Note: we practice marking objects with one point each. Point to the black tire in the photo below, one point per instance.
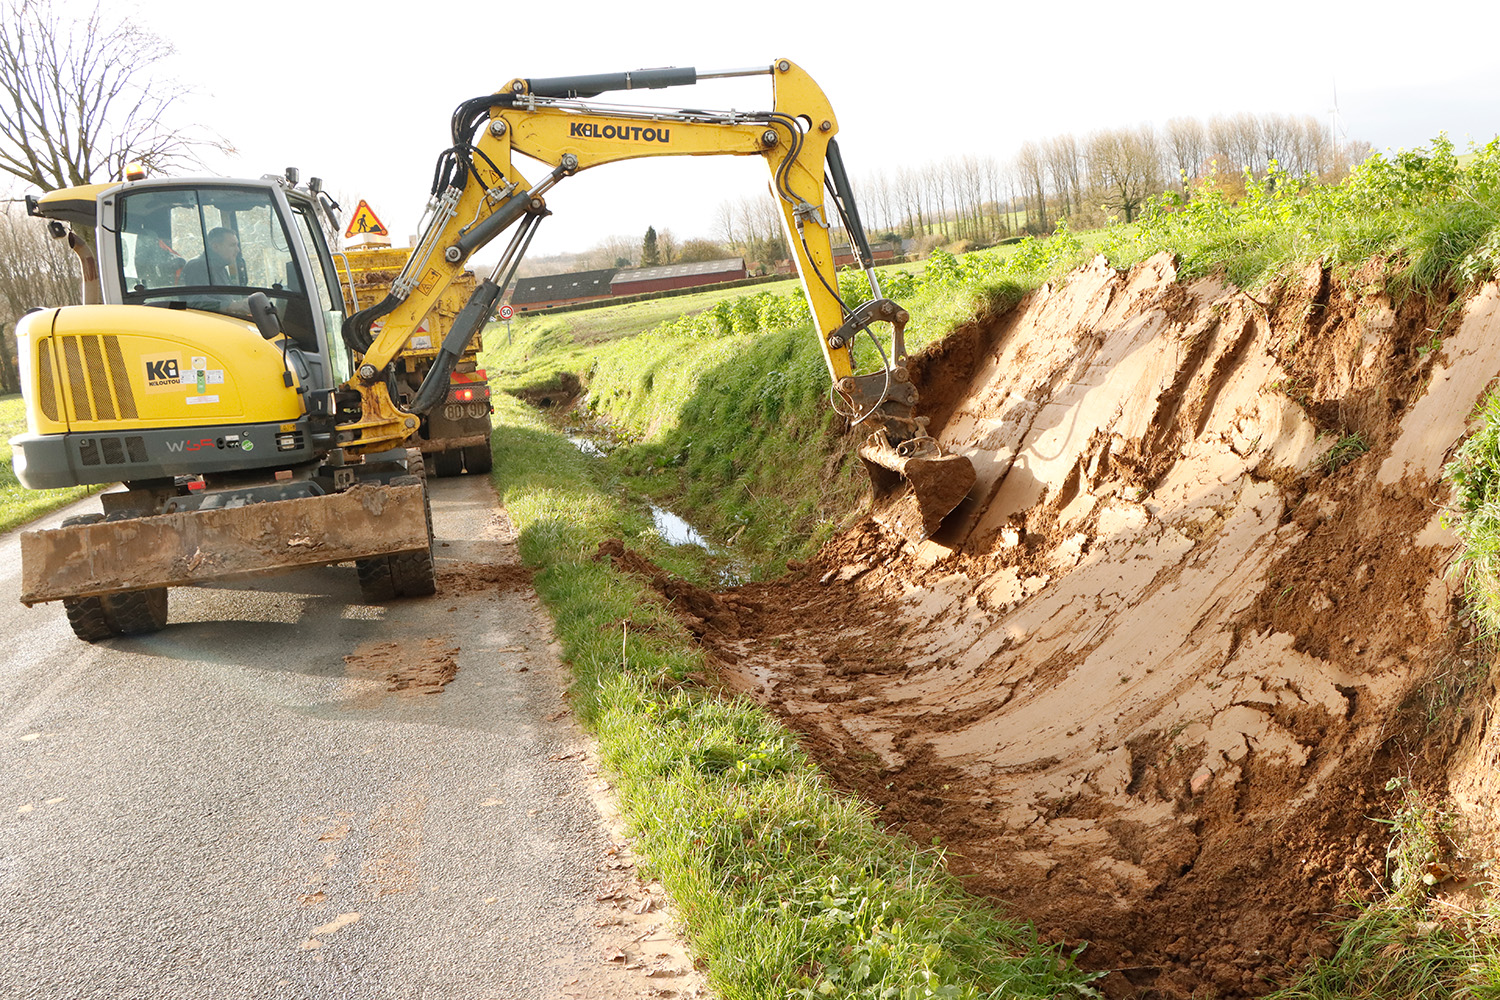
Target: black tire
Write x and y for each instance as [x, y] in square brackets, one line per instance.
[478, 459]
[447, 463]
[86, 617]
[86, 614]
[416, 465]
[414, 574]
[134, 612]
[375, 583]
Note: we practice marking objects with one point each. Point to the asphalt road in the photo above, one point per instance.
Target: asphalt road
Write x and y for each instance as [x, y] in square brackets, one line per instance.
[230, 808]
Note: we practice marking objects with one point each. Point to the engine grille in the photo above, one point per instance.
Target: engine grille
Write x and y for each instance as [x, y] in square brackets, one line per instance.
[97, 382]
[112, 450]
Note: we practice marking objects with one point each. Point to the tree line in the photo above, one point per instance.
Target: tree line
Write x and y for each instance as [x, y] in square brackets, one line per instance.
[981, 200]
[1088, 179]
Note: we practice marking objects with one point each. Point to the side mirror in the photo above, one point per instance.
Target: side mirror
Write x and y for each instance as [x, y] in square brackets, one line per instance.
[264, 314]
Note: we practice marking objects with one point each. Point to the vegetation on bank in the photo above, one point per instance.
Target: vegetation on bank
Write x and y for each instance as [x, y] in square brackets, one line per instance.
[1431, 215]
[786, 889]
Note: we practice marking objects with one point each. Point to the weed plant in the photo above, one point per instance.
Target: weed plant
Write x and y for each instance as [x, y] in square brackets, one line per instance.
[1432, 216]
[786, 889]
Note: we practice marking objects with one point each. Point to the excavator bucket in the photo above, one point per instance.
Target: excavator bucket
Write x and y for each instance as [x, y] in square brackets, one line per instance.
[202, 546]
[913, 493]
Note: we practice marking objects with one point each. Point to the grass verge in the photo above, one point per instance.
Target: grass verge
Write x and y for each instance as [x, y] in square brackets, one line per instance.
[785, 888]
[18, 504]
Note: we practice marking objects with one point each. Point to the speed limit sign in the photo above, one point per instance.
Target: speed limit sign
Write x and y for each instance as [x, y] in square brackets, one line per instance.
[506, 312]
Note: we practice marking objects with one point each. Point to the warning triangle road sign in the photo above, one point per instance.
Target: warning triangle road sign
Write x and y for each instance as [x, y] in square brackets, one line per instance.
[365, 221]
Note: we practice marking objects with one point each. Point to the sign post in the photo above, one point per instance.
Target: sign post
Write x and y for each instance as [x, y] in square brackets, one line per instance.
[506, 312]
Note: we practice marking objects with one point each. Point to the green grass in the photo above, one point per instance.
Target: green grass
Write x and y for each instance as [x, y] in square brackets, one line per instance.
[784, 888]
[18, 504]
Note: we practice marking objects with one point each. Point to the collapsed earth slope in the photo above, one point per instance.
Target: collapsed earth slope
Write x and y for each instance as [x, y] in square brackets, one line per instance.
[1149, 684]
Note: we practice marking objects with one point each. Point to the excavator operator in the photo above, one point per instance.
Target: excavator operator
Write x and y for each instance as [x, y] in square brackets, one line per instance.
[218, 265]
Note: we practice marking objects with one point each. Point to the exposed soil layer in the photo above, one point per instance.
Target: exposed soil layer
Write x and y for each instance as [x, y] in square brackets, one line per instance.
[1149, 681]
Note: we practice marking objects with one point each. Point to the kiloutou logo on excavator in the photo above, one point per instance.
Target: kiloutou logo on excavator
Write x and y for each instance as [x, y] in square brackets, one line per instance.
[593, 130]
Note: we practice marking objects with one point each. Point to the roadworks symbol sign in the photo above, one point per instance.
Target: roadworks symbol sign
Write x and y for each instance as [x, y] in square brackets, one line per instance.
[365, 221]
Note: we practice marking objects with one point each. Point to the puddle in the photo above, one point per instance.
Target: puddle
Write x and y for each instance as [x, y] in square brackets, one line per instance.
[588, 447]
[673, 529]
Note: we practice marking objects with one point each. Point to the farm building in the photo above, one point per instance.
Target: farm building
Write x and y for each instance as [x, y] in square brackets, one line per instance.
[561, 289]
[843, 256]
[636, 280]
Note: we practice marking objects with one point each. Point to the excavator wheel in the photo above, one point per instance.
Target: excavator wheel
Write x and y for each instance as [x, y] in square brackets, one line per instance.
[402, 574]
[133, 612]
[375, 583]
[477, 458]
[414, 573]
[447, 463]
[416, 465]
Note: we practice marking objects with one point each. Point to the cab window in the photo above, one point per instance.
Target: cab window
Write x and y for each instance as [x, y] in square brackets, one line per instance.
[208, 248]
[325, 280]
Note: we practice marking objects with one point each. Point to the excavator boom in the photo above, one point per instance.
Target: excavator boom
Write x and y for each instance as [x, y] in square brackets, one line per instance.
[479, 193]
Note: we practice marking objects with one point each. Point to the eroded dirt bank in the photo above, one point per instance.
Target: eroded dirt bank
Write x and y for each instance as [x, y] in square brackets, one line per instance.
[1149, 684]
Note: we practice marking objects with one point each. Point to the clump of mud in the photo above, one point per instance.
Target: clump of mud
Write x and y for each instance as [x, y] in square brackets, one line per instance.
[408, 667]
[1150, 679]
[702, 611]
[478, 578]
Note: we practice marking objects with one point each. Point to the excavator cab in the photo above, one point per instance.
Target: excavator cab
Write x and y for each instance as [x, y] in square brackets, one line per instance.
[118, 392]
[211, 246]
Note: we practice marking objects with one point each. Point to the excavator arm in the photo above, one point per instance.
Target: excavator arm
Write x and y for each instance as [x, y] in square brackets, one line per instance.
[478, 193]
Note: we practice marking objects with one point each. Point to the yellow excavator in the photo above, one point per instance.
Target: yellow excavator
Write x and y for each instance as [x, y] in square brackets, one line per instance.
[257, 428]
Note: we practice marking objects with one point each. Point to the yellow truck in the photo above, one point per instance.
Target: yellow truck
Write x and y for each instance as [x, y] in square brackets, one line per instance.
[455, 434]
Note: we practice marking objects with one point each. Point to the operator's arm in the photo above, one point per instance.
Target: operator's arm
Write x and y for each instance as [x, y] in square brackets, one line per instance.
[479, 193]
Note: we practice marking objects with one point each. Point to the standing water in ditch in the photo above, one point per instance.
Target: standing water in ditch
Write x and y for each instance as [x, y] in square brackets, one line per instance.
[673, 529]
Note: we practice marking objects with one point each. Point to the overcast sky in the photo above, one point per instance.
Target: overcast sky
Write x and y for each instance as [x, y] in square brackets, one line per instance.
[360, 93]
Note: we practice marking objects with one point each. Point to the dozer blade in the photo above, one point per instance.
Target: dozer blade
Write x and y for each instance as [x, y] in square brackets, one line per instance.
[173, 550]
[915, 493]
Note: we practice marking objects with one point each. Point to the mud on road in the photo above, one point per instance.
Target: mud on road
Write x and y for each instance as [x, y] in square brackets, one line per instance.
[1148, 684]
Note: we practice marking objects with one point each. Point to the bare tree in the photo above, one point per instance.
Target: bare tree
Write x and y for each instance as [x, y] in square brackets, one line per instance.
[35, 270]
[1125, 167]
[668, 245]
[1237, 138]
[726, 227]
[80, 100]
[1031, 171]
[1186, 144]
[1061, 155]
